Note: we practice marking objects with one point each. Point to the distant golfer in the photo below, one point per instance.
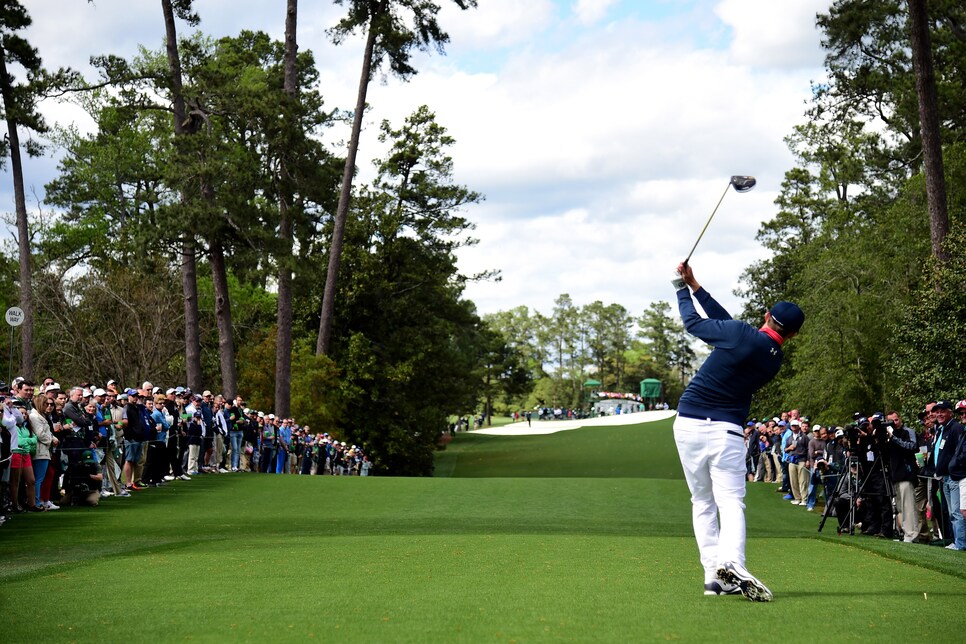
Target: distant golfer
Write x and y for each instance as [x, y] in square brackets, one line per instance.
[708, 428]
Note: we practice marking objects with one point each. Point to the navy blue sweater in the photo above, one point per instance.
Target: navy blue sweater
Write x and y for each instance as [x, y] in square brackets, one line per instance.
[744, 359]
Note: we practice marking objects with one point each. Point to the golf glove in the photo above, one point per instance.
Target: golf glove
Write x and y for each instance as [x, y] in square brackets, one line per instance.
[678, 283]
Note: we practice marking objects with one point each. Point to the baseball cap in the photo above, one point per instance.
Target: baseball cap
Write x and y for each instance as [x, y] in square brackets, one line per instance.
[207, 392]
[99, 392]
[794, 421]
[961, 405]
[788, 316]
[943, 404]
[170, 391]
[839, 433]
[131, 392]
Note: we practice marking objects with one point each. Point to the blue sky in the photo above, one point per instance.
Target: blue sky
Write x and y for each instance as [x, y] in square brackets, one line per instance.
[601, 132]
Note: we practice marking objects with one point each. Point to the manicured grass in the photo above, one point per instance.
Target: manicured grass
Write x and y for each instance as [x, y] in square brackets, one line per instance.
[460, 559]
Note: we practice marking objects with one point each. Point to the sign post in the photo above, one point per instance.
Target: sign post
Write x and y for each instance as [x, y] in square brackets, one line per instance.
[14, 317]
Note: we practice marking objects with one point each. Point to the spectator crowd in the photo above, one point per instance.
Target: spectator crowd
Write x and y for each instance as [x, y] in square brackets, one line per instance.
[80, 444]
[876, 474]
[83, 443]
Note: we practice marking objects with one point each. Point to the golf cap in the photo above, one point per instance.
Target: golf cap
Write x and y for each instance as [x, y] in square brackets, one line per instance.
[839, 433]
[788, 316]
[961, 405]
[943, 404]
[54, 387]
[170, 391]
[99, 392]
[207, 392]
[179, 390]
[795, 421]
[750, 423]
[131, 392]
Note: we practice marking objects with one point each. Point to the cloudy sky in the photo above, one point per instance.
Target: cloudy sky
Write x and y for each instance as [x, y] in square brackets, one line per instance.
[602, 132]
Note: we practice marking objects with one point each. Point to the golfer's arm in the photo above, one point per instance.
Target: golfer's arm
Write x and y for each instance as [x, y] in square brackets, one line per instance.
[714, 310]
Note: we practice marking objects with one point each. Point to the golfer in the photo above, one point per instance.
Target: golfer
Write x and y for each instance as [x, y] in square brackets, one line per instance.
[708, 428]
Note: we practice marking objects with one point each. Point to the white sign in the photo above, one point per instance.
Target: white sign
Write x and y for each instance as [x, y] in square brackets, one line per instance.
[14, 316]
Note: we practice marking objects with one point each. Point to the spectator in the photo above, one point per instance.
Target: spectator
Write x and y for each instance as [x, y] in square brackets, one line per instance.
[43, 430]
[195, 442]
[948, 435]
[22, 444]
[904, 472]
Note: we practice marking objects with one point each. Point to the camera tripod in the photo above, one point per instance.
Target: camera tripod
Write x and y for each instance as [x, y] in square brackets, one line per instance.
[851, 486]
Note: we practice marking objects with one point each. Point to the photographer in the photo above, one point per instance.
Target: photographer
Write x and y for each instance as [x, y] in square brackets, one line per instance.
[901, 448]
[877, 504]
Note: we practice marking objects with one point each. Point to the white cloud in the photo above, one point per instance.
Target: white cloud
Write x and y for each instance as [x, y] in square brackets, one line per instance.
[774, 33]
[590, 11]
[495, 23]
[601, 150]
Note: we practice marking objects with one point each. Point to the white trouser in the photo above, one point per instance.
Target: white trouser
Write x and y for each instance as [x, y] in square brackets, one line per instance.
[713, 457]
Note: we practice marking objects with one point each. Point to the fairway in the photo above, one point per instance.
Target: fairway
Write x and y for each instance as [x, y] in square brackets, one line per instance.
[582, 536]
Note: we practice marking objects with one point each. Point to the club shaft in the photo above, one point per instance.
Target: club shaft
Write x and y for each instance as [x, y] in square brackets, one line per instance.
[707, 223]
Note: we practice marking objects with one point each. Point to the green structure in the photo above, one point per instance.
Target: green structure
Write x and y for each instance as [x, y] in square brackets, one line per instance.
[651, 391]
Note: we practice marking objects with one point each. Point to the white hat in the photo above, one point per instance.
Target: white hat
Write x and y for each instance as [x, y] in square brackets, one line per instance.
[99, 392]
[86, 393]
[206, 392]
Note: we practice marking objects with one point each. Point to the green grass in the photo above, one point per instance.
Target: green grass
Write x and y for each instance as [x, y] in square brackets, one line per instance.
[557, 557]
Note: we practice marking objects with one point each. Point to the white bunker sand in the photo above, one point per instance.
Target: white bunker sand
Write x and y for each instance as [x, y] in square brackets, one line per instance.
[520, 428]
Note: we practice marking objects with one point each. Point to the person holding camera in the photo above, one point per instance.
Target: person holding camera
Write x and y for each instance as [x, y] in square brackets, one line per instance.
[870, 446]
[901, 448]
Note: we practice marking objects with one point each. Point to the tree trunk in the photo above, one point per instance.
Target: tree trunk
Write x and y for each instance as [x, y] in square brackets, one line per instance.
[932, 152]
[342, 212]
[189, 275]
[23, 232]
[192, 326]
[226, 338]
[283, 346]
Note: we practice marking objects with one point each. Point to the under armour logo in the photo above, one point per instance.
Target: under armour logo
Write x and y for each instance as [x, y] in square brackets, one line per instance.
[774, 351]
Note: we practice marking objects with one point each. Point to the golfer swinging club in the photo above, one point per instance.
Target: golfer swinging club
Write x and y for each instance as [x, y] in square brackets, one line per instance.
[708, 428]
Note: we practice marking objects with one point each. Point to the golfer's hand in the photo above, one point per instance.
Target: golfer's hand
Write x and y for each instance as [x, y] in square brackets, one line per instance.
[684, 270]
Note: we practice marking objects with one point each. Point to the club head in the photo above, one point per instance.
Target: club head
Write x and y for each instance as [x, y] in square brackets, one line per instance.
[743, 183]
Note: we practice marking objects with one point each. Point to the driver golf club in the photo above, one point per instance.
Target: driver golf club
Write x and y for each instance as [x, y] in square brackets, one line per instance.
[740, 184]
